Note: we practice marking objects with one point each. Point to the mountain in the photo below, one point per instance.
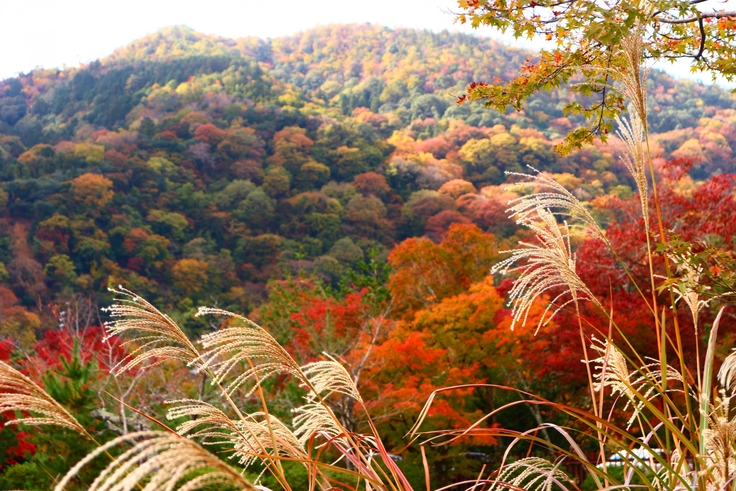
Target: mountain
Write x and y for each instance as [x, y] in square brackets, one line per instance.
[190, 167]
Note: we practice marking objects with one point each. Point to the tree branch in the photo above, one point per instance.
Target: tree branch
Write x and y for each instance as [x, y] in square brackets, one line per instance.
[702, 39]
[692, 2]
[702, 15]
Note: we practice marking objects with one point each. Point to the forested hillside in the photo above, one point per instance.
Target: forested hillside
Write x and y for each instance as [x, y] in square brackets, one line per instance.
[317, 180]
[192, 166]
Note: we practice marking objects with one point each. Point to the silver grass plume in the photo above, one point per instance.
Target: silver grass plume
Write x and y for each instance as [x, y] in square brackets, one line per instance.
[634, 76]
[689, 284]
[546, 266]
[158, 337]
[554, 196]
[317, 419]
[249, 438]
[249, 344]
[20, 393]
[727, 373]
[633, 134]
[160, 460]
[314, 418]
[720, 441]
[329, 377]
[532, 474]
[612, 370]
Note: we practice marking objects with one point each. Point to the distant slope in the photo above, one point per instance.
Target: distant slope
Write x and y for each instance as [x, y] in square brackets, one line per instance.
[192, 167]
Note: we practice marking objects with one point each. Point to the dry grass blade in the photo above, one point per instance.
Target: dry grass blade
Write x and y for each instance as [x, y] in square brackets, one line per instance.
[546, 266]
[556, 197]
[636, 386]
[20, 393]
[230, 348]
[248, 438]
[328, 377]
[159, 460]
[532, 474]
[159, 338]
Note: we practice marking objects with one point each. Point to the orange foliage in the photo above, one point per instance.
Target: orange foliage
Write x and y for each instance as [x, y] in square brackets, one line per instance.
[209, 133]
[428, 272]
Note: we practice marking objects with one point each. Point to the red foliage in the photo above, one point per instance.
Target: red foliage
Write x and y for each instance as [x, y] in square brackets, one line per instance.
[437, 226]
[676, 169]
[439, 147]
[371, 183]
[710, 210]
[209, 133]
[92, 344]
[20, 449]
[325, 321]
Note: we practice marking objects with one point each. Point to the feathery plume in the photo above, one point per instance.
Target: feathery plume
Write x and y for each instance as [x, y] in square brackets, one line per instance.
[229, 348]
[314, 418]
[637, 386]
[160, 460]
[634, 76]
[547, 266]
[556, 197]
[159, 338]
[532, 474]
[249, 438]
[328, 377]
[633, 134]
[727, 373]
[20, 393]
[688, 285]
[720, 441]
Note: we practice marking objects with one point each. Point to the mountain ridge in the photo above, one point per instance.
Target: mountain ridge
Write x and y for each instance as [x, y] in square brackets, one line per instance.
[349, 60]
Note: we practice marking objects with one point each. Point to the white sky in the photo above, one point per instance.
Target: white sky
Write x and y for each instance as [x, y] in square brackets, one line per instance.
[58, 33]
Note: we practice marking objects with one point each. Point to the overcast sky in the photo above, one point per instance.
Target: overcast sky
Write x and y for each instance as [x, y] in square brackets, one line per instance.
[58, 33]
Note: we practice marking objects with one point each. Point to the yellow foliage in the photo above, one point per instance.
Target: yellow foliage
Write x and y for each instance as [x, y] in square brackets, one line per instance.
[503, 139]
[190, 275]
[92, 190]
[20, 325]
[691, 148]
[90, 152]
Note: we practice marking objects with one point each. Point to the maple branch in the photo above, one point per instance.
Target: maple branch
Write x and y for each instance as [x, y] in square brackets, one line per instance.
[699, 17]
[702, 38]
[692, 2]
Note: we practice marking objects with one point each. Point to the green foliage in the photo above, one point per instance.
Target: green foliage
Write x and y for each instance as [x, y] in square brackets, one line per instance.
[29, 475]
[57, 449]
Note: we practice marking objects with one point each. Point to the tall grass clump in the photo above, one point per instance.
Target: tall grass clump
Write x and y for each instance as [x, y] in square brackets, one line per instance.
[680, 433]
[239, 356]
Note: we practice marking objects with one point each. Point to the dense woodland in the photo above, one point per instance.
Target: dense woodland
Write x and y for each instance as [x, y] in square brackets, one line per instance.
[329, 186]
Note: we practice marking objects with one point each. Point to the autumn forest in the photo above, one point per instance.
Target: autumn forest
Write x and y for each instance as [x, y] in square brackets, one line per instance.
[329, 187]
